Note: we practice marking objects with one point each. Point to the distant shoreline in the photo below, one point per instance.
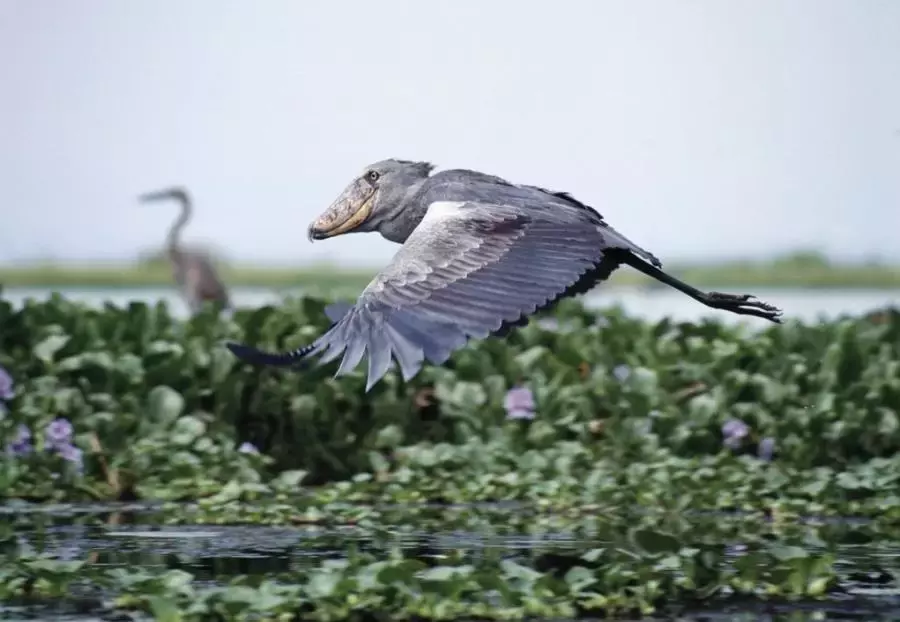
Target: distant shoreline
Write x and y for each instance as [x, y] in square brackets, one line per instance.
[734, 274]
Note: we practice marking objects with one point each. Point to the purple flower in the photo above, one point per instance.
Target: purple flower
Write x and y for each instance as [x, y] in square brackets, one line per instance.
[622, 372]
[22, 443]
[734, 431]
[71, 454]
[248, 448]
[766, 448]
[6, 385]
[21, 449]
[58, 433]
[519, 403]
[23, 434]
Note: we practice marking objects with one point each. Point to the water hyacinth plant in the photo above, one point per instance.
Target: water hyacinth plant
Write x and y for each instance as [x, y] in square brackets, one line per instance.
[58, 434]
[766, 449]
[7, 391]
[734, 434]
[519, 403]
[734, 431]
[637, 456]
[248, 448]
[622, 372]
[58, 438]
[21, 445]
[73, 455]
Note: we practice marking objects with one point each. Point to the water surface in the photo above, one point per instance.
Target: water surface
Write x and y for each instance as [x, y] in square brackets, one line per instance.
[649, 303]
[132, 536]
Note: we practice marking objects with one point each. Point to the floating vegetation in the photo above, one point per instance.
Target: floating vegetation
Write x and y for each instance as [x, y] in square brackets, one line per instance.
[600, 466]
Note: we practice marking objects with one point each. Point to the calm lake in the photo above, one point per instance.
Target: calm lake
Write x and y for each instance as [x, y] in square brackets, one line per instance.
[809, 305]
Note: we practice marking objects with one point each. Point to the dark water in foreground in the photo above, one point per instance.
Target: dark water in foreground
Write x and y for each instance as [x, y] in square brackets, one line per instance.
[215, 553]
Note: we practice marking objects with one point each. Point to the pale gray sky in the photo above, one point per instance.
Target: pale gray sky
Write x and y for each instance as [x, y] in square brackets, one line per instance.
[700, 128]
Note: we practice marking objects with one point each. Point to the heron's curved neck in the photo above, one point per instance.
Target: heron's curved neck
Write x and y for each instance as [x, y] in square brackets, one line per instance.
[407, 212]
[173, 239]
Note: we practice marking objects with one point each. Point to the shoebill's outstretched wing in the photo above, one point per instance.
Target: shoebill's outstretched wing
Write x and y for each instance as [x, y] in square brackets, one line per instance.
[469, 269]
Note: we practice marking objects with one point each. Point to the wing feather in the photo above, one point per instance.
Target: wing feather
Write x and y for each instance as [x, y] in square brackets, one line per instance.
[468, 270]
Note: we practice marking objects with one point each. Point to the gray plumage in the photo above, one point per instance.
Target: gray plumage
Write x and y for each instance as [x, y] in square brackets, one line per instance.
[196, 277]
[479, 256]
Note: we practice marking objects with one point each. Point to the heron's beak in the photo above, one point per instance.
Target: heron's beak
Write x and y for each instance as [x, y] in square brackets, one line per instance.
[349, 211]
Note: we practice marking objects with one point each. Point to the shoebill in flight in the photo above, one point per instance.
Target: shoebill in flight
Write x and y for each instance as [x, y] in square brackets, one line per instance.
[193, 271]
[479, 255]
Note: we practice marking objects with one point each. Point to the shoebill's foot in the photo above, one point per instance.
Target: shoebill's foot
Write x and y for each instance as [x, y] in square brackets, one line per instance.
[743, 304]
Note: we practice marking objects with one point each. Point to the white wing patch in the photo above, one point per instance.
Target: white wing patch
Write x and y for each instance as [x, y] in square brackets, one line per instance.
[439, 210]
[412, 263]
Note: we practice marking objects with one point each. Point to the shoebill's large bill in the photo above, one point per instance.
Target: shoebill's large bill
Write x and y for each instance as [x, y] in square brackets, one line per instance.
[479, 255]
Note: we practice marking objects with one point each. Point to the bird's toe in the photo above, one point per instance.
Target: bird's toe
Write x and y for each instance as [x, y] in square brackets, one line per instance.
[745, 304]
[729, 298]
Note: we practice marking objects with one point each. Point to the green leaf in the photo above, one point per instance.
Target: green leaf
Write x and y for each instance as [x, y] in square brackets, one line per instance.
[164, 609]
[528, 359]
[468, 395]
[85, 360]
[594, 554]
[389, 437]
[289, 480]
[240, 594]
[655, 542]
[784, 553]
[322, 584]
[164, 405]
[221, 364]
[446, 573]
[46, 350]
[818, 586]
[230, 492]
[579, 578]
[188, 428]
[378, 462]
[514, 570]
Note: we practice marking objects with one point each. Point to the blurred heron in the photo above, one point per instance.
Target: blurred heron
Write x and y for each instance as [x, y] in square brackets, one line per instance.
[193, 271]
[479, 255]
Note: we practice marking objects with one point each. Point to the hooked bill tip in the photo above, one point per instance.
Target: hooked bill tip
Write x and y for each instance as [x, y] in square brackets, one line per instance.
[314, 233]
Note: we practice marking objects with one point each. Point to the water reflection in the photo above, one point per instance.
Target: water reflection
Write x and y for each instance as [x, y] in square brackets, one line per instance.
[133, 536]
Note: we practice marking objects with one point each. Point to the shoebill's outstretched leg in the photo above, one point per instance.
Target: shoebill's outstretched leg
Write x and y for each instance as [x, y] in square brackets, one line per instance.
[742, 304]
